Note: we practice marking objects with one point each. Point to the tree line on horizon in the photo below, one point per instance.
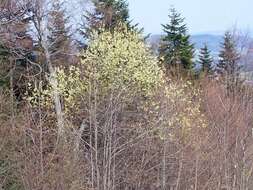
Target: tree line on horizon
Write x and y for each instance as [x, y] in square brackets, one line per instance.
[106, 113]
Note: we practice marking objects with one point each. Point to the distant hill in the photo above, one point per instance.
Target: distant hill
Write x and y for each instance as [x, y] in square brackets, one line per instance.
[213, 42]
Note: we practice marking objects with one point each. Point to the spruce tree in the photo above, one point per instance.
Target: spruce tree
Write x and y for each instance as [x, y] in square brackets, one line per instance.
[175, 48]
[107, 14]
[59, 38]
[205, 61]
[228, 67]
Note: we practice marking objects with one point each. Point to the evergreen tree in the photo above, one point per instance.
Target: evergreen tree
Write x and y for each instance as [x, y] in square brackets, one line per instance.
[107, 14]
[205, 61]
[16, 46]
[4, 68]
[228, 67]
[59, 38]
[175, 48]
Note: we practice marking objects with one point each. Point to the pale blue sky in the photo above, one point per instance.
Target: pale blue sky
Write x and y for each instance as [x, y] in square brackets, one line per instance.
[201, 15]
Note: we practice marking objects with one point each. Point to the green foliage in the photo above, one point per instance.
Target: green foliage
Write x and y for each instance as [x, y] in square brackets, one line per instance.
[176, 50]
[205, 60]
[182, 111]
[121, 60]
[113, 61]
[70, 87]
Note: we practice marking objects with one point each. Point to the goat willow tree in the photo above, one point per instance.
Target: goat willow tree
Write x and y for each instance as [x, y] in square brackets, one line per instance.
[114, 60]
[107, 99]
[115, 71]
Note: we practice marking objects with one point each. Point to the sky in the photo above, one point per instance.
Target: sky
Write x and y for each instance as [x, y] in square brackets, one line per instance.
[202, 16]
